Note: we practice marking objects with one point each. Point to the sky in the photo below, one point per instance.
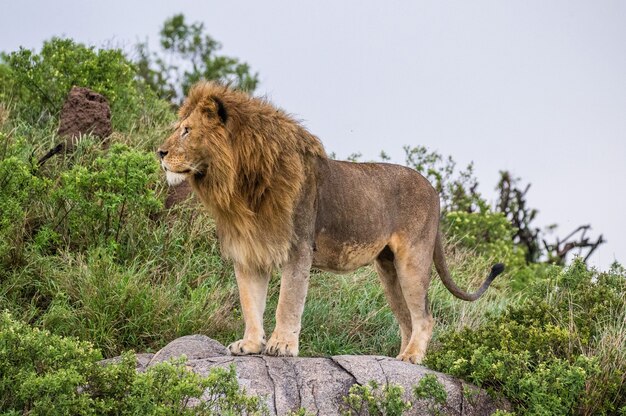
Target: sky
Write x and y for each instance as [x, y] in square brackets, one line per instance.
[534, 87]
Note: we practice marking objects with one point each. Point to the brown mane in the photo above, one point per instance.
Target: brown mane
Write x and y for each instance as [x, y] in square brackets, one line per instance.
[252, 189]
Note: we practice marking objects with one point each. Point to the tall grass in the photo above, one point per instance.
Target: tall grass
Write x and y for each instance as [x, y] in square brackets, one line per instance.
[137, 278]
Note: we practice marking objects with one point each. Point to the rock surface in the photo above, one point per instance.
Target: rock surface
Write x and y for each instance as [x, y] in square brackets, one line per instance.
[319, 384]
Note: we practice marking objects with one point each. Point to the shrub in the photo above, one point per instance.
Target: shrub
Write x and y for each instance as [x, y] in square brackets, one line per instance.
[41, 373]
[37, 83]
[544, 354]
[375, 400]
[488, 233]
[104, 201]
[369, 399]
[19, 189]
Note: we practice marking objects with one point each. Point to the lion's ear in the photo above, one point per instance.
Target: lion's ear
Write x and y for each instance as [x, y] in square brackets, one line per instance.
[214, 106]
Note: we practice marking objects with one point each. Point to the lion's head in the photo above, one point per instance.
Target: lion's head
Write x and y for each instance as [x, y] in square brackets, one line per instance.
[199, 146]
[246, 160]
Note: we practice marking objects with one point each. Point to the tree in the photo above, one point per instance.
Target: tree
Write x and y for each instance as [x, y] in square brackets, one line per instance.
[512, 203]
[188, 55]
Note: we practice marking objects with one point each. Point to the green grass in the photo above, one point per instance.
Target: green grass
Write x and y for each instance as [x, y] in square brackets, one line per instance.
[76, 260]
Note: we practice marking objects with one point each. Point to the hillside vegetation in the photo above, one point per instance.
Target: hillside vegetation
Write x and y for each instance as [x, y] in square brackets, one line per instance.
[87, 250]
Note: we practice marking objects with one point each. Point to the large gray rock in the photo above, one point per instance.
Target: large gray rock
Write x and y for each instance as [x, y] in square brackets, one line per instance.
[194, 347]
[319, 384]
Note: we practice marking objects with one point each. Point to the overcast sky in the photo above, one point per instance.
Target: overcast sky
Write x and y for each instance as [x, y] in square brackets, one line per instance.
[534, 87]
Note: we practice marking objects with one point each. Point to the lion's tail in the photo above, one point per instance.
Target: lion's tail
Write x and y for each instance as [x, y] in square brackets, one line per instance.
[444, 274]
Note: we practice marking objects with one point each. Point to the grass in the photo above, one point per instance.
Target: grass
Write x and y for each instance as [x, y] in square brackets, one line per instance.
[156, 275]
[167, 279]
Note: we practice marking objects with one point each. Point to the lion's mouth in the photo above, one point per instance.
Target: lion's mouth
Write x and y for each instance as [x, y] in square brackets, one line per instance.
[167, 169]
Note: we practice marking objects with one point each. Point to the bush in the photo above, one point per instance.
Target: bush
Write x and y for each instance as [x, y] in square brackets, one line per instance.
[375, 400]
[488, 233]
[19, 189]
[544, 354]
[41, 373]
[36, 84]
[104, 201]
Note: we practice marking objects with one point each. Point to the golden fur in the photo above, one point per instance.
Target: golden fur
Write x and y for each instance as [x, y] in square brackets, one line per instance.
[279, 202]
[254, 171]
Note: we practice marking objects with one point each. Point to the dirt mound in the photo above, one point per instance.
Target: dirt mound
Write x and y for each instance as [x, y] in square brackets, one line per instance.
[84, 112]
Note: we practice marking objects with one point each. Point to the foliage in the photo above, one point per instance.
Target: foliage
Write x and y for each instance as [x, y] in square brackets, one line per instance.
[369, 399]
[37, 83]
[544, 354]
[42, 373]
[100, 199]
[488, 233]
[19, 188]
[431, 390]
[388, 400]
[189, 55]
[461, 201]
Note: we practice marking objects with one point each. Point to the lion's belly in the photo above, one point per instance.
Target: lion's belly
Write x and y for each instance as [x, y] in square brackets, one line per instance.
[335, 256]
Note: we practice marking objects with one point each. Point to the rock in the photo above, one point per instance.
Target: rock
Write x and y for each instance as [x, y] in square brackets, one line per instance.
[142, 361]
[195, 347]
[319, 384]
[84, 112]
[177, 194]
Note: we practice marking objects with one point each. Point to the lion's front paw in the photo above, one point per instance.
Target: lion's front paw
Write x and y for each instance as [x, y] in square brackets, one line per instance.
[280, 347]
[411, 358]
[246, 347]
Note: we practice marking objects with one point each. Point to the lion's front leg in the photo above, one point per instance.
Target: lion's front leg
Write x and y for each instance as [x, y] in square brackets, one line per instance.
[293, 288]
[252, 295]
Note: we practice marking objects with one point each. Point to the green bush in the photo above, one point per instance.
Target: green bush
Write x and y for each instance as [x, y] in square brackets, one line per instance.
[104, 201]
[19, 189]
[42, 374]
[36, 84]
[370, 399]
[373, 399]
[488, 233]
[544, 354]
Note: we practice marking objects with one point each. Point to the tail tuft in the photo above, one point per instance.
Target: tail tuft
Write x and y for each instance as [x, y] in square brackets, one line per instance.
[496, 270]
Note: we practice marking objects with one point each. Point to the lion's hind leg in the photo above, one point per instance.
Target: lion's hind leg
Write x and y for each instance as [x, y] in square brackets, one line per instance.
[413, 269]
[393, 292]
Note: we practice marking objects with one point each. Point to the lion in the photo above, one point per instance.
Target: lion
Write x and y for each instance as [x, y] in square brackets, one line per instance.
[280, 203]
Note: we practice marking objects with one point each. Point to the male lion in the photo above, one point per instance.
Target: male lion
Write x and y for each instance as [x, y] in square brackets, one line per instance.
[280, 202]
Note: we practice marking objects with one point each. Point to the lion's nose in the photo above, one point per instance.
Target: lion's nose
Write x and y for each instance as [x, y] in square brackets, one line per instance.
[161, 153]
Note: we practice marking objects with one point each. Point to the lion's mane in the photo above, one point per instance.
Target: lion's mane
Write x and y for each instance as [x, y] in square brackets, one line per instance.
[254, 175]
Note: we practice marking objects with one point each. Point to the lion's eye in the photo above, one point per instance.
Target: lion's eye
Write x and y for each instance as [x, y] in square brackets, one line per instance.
[186, 131]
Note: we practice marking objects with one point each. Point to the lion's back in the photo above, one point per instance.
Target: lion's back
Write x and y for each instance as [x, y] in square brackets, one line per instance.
[376, 195]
